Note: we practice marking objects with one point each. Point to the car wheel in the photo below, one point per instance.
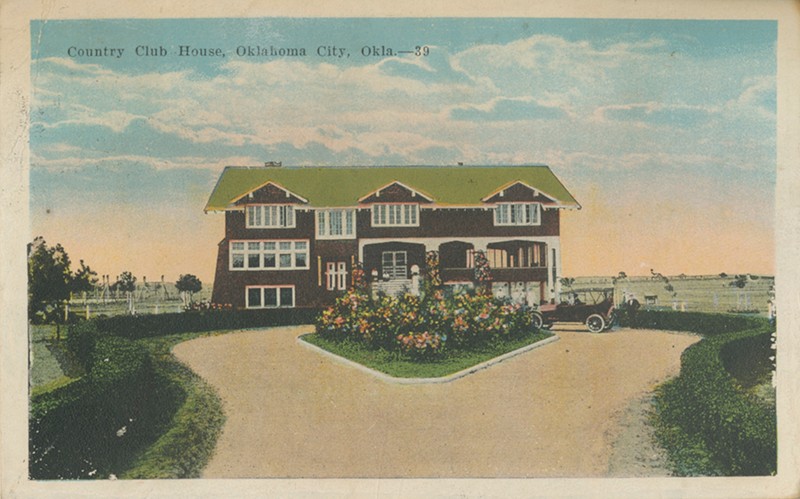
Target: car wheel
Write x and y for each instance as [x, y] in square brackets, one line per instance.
[595, 323]
[610, 322]
[537, 320]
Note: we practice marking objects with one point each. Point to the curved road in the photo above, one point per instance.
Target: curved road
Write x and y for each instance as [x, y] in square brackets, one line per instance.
[293, 412]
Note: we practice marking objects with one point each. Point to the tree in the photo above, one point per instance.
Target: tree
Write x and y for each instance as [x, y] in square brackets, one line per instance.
[49, 281]
[188, 285]
[84, 280]
[567, 282]
[126, 282]
[740, 281]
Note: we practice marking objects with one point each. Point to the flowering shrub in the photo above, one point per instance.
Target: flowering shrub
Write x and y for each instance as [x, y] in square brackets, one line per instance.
[420, 346]
[432, 274]
[359, 277]
[423, 327]
[205, 306]
[483, 273]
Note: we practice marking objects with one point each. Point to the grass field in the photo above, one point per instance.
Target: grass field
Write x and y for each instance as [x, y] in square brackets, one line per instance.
[689, 293]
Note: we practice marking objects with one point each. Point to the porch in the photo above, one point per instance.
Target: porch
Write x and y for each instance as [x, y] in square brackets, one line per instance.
[520, 268]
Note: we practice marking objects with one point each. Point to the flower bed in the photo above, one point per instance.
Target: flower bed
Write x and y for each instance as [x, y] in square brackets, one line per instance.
[423, 328]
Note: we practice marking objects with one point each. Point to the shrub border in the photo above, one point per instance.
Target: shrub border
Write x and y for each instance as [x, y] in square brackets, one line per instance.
[82, 340]
[717, 426]
[184, 449]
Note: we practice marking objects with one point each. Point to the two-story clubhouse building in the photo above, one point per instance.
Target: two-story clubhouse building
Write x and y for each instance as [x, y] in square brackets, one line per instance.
[294, 234]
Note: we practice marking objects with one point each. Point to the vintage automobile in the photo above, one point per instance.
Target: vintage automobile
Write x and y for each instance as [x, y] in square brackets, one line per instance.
[593, 307]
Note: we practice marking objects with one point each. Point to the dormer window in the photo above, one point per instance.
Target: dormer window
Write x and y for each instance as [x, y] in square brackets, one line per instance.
[270, 216]
[395, 215]
[517, 214]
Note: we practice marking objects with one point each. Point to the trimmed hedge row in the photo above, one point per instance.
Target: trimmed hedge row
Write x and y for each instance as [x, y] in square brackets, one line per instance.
[146, 326]
[184, 449]
[91, 427]
[693, 322]
[704, 419]
[739, 432]
[748, 359]
[95, 425]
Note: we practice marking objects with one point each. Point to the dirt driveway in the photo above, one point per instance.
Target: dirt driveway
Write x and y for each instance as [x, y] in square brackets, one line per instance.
[292, 412]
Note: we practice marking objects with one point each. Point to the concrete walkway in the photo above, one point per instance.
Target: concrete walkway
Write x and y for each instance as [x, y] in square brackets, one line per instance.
[292, 412]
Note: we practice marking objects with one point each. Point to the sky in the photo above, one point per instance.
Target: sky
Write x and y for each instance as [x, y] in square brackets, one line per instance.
[664, 131]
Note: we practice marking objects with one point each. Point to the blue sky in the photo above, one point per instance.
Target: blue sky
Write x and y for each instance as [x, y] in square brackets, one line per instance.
[663, 130]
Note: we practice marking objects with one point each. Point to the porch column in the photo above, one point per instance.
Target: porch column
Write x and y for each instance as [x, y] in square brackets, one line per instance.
[554, 269]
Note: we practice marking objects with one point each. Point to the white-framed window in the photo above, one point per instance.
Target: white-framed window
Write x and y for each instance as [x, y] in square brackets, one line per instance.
[270, 216]
[336, 224]
[336, 276]
[268, 255]
[395, 215]
[517, 214]
[269, 296]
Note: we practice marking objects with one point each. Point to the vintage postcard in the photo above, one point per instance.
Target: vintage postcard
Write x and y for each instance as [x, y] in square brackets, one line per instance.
[295, 252]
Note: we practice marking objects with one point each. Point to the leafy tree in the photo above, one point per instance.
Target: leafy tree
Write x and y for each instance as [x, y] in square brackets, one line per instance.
[188, 285]
[49, 281]
[126, 282]
[84, 280]
[667, 285]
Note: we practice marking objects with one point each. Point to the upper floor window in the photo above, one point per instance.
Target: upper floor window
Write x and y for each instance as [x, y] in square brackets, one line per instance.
[270, 216]
[394, 215]
[336, 224]
[517, 214]
[268, 255]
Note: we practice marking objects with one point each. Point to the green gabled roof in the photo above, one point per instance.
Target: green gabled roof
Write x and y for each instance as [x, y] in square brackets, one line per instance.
[344, 186]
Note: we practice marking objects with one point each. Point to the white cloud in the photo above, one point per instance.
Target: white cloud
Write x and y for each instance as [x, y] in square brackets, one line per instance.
[618, 100]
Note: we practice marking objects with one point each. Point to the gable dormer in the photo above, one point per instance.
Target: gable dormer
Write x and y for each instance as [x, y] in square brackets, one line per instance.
[396, 192]
[269, 193]
[269, 206]
[519, 192]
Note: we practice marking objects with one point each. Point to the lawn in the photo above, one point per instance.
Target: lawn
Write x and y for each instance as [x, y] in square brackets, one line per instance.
[397, 365]
[51, 364]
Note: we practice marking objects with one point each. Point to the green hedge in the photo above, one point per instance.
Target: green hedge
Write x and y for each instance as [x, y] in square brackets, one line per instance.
[184, 449]
[706, 422]
[748, 359]
[694, 322]
[149, 325]
[91, 427]
[95, 426]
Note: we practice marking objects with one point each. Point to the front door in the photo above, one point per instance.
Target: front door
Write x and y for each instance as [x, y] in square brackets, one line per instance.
[394, 264]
